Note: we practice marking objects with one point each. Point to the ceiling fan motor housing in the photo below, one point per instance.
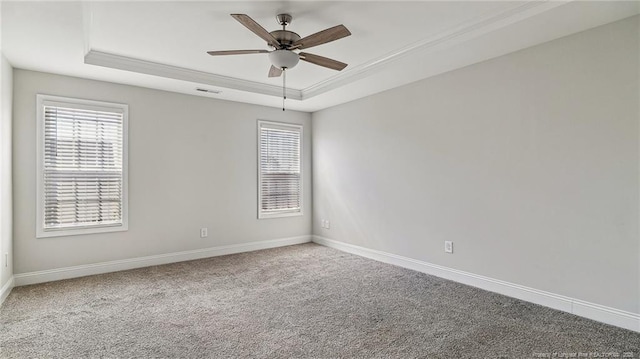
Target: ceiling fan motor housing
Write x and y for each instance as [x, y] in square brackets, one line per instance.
[285, 37]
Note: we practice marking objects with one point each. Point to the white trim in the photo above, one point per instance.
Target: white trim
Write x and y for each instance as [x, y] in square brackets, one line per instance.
[601, 313]
[470, 29]
[87, 104]
[291, 213]
[140, 262]
[6, 289]
[105, 59]
[87, 25]
[288, 127]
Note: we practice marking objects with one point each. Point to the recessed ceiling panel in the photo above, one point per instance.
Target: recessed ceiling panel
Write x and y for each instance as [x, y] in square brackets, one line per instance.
[163, 44]
[180, 33]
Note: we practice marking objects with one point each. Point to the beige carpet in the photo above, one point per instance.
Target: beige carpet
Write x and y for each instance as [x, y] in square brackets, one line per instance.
[304, 301]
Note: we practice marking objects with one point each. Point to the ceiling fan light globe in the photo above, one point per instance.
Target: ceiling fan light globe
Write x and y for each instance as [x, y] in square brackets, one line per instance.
[284, 59]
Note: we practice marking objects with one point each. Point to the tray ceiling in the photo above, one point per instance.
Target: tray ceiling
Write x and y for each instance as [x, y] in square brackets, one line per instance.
[163, 44]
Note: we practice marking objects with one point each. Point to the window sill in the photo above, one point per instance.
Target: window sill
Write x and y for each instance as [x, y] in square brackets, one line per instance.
[268, 215]
[42, 233]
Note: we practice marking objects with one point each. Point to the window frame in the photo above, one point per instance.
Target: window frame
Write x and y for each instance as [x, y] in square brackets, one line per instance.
[282, 213]
[41, 231]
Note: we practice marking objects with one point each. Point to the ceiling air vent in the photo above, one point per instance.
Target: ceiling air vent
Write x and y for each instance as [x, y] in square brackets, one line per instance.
[215, 92]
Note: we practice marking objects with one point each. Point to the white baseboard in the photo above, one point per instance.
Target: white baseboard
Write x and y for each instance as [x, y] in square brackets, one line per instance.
[6, 289]
[578, 307]
[140, 262]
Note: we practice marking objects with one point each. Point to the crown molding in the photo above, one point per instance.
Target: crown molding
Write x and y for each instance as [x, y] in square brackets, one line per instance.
[463, 32]
[120, 62]
[460, 33]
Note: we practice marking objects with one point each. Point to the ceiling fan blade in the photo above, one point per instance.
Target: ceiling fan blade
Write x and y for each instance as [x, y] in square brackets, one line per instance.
[322, 37]
[322, 61]
[236, 52]
[274, 71]
[250, 24]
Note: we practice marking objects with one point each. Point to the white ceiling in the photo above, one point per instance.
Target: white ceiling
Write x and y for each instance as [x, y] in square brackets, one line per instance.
[163, 44]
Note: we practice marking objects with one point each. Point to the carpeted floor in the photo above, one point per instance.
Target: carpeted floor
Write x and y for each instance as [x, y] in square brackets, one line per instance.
[304, 301]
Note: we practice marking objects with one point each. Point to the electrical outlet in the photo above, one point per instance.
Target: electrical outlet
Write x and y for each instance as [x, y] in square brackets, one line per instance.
[448, 246]
[327, 224]
[204, 232]
[324, 223]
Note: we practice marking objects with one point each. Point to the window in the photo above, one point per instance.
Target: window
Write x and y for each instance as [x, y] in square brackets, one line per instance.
[279, 170]
[82, 166]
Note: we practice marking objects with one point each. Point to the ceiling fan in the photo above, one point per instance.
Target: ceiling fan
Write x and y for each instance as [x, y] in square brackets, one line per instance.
[285, 43]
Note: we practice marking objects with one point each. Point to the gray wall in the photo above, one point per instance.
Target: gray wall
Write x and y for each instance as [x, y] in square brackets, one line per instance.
[527, 162]
[6, 220]
[192, 164]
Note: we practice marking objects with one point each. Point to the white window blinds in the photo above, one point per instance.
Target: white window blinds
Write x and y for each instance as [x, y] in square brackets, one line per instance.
[280, 175]
[83, 165]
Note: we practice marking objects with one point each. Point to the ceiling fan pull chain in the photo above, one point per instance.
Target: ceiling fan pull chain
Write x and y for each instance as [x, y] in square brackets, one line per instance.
[284, 87]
